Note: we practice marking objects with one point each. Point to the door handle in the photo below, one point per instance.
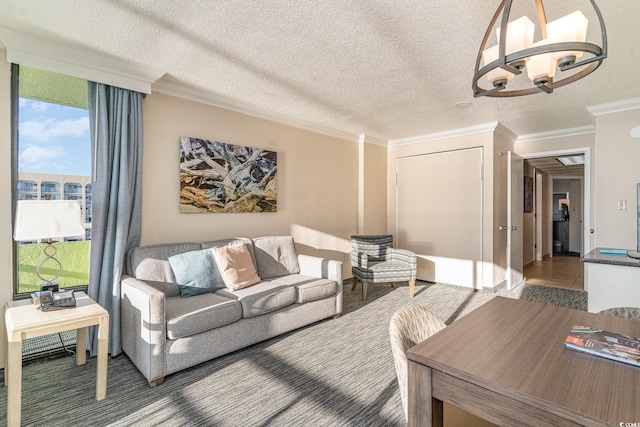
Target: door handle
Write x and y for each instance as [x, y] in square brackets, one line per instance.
[592, 231]
[505, 228]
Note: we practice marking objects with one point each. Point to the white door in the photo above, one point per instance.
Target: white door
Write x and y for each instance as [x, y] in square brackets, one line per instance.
[439, 215]
[515, 204]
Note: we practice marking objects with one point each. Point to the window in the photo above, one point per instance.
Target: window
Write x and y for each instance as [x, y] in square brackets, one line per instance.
[27, 190]
[50, 191]
[53, 163]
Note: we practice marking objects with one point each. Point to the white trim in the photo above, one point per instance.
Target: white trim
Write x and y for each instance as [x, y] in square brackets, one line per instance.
[195, 95]
[368, 139]
[561, 133]
[361, 185]
[614, 107]
[75, 62]
[471, 130]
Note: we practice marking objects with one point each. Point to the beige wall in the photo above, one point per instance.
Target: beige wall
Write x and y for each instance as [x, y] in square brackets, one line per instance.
[373, 211]
[317, 179]
[617, 174]
[528, 227]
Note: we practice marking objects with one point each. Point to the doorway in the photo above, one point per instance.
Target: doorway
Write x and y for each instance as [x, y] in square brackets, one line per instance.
[558, 231]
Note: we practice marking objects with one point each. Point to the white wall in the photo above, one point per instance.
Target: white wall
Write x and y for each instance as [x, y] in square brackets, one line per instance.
[617, 174]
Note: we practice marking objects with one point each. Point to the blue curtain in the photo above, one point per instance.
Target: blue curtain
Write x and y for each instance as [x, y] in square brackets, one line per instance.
[116, 124]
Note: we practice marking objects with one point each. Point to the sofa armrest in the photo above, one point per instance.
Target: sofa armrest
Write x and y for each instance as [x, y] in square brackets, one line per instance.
[320, 267]
[143, 318]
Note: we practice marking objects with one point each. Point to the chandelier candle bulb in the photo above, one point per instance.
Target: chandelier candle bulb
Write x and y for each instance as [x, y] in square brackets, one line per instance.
[519, 37]
[497, 76]
[541, 68]
[569, 28]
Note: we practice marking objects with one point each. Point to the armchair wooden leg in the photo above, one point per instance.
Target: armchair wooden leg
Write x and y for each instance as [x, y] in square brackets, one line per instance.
[354, 282]
[364, 291]
[412, 285]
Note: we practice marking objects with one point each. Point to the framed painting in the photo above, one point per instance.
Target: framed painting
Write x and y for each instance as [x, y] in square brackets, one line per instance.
[528, 194]
[219, 177]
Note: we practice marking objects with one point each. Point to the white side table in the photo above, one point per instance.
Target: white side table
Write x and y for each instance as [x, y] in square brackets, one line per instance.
[25, 320]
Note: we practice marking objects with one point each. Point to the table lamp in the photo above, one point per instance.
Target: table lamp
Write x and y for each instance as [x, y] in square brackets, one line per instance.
[48, 219]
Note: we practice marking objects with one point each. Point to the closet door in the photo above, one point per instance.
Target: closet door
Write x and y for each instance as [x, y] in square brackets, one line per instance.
[439, 214]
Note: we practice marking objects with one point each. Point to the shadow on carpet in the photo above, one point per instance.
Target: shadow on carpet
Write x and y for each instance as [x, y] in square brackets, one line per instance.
[333, 373]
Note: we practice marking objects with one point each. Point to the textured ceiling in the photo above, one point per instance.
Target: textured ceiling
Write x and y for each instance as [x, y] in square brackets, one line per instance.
[387, 69]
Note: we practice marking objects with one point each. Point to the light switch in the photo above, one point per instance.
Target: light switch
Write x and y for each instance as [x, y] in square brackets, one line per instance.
[622, 205]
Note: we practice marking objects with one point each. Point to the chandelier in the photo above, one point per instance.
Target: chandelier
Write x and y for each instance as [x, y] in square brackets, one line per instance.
[562, 44]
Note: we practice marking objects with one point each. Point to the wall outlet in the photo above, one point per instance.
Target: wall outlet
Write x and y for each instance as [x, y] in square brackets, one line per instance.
[622, 205]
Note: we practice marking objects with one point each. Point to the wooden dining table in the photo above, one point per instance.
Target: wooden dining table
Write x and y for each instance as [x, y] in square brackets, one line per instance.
[506, 362]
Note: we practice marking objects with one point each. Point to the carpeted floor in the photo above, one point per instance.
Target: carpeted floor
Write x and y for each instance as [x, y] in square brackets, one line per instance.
[333, 373]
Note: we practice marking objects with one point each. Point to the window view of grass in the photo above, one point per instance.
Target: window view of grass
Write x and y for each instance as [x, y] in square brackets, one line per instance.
[74, 257]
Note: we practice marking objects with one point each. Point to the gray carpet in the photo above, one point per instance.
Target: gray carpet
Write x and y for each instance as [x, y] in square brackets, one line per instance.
[333, 373]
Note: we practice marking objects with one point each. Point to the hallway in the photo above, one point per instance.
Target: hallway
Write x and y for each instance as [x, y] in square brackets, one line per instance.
[559, 272]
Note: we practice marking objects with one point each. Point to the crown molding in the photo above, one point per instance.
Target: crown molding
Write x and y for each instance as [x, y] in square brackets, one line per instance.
[368, 139]
[196, 95]
[505, 132]
[561, 133]
[76, 62]
[614, 107]
[454, 133]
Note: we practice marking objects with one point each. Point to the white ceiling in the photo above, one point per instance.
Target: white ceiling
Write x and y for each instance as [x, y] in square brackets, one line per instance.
[386, 69]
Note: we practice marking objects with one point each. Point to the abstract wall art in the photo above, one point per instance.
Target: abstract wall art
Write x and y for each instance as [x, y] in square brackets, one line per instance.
[219, 177]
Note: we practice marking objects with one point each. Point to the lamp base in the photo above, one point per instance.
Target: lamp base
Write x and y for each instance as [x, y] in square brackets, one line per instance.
[49, 286]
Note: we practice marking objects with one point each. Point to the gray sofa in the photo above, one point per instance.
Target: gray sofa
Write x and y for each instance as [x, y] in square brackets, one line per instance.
[163, 332]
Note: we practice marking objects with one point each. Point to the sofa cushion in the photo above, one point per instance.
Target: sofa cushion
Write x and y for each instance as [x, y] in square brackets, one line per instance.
[151, 262]
[230, 242]
[196, 273]
[190, 316]
[235, 266]
[275, 256]
[309, 288]
[262, 297]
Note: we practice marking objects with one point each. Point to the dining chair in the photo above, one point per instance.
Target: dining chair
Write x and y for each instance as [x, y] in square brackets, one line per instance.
[375, 260]
[409, 326]
[624, 312]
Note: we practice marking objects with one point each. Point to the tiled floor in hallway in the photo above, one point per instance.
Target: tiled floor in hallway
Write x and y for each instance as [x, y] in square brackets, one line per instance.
[558, 271]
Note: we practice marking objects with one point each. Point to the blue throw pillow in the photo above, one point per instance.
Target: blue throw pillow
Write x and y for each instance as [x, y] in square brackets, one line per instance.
[196, 273]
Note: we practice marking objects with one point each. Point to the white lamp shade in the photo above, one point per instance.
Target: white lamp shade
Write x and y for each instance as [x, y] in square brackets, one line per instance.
[569, 28]
[519, 35]
[44, 219]
[541, 65]
[490, 55]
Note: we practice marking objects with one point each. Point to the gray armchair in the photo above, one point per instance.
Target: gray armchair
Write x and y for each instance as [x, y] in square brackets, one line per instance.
[374, 260]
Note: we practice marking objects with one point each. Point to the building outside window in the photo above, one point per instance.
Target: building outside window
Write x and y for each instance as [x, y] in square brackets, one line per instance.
[50, 191]
[27, 190]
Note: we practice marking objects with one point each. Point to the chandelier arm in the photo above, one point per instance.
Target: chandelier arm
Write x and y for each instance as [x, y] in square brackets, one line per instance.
[603, 29]
[533, 90]
[487, 34]
[542, 18]
[502, 43]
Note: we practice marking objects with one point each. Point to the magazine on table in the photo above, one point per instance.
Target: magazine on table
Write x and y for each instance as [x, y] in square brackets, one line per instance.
[601, 343]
